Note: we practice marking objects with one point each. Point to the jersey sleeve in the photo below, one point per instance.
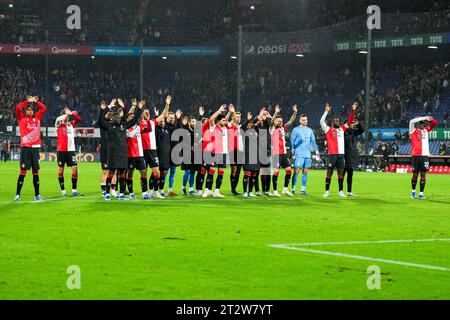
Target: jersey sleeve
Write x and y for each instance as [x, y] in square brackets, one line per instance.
[323, 124]
[42, 109]
[431, 125]
[19, 109]
[76, 121]
[413, 122]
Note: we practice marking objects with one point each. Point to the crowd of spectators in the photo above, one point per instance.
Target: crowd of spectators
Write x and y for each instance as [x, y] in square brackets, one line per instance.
[182, 22]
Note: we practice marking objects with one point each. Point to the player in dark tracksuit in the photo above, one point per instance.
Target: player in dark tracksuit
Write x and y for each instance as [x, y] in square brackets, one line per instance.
[251, 150]
[173, 122]
[190, 168]
[351, 153]
[164, 148]
[264, 121]
[104, 150]
[117, 143]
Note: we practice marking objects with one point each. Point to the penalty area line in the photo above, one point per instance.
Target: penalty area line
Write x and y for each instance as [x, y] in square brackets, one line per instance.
[358, 257]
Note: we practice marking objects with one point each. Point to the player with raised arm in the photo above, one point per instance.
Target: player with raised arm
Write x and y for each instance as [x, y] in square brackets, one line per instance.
[336, 147]
[150, 147]
[420, 152]
[104, 149]
[302, 140]
[173, 122]
[215, 151]
[251, 152]
[135, 152]
[280, 157]
[236, 148]
[351, 156]
[30, 142]
[117, 144]
[66, 148]
[189, 124]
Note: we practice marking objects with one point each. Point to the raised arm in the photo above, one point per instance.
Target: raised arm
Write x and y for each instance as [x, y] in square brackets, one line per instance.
[77, 119]
[413, 122]
[351, 117]
[433, 123]
[323, 124]
[293, 117]
[165, 112]
[20, 106]
[135, 120]
[222, 108]
[60, 119]
[42, 109]
[102, 123]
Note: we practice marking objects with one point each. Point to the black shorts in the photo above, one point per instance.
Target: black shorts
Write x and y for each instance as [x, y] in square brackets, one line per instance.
[420, 163]
[281, 161]
[336, 161]
[29, 159]
[151, 158]
[66, 158]
[137, 163]
[236, 158]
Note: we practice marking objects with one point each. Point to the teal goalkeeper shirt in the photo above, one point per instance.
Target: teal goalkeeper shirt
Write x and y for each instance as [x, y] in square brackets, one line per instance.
[302, 139]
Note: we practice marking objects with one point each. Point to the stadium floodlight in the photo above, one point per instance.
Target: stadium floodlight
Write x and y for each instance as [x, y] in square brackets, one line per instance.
[362, 51]
[252, 7]
[92, 57]
[11, 5]
[233, 57]
[299, 55]
[432, 47]
[164, 58]
[18, 56]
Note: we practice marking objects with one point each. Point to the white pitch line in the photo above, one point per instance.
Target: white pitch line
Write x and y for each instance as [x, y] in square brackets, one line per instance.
[351, 256]
[363, 242]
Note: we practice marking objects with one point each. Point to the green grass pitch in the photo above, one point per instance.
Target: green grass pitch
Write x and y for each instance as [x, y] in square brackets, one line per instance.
[191, 248]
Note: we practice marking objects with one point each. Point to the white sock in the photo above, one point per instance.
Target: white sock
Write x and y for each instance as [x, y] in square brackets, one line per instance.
[191, 189]
[170, 189]
[217, 190]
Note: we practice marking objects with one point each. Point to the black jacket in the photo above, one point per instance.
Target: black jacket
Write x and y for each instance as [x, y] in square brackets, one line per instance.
[351, 151]
[164, 148]
[117, 139]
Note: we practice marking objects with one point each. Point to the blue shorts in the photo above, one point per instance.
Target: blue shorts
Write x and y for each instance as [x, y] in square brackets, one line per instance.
[303, 163]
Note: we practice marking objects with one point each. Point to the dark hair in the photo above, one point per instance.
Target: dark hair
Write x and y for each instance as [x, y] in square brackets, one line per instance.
[220, 117]
[303, 115]
[277, 117]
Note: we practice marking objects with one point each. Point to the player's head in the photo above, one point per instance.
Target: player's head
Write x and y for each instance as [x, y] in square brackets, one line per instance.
[192, 121]
[162, 123]
[421, 125]
[108, 115]
[221, 120]
[304, 120]
[278, 121]
[204, 120]
[130, 115]
[65, 119]
[250, 125]
[145, 114]
[29, 110]
[336, 122]
[171, 118]
[237, 117]
[117, 114]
